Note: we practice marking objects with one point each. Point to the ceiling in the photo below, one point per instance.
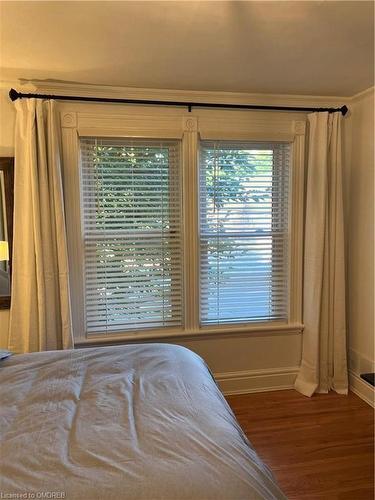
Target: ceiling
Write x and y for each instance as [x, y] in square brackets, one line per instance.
[291, 47]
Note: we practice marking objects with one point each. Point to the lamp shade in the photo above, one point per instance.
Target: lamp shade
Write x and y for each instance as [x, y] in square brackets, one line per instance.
[4, 250]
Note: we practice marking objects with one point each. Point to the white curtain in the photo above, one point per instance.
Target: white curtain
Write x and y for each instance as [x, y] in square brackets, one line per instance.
[40, 316]
[324, 364]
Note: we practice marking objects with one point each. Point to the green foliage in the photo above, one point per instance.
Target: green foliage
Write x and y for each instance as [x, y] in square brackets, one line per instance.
[228, 183]
[228, 173]
[127, 186]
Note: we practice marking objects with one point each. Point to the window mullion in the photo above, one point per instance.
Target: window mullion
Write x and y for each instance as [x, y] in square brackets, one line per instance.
[190, 224]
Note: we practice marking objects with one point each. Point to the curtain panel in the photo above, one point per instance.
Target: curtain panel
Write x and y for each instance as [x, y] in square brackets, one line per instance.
[324, 358]
[40, 317]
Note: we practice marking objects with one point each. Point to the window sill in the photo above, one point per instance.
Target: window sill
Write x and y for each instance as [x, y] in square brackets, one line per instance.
[262, 330]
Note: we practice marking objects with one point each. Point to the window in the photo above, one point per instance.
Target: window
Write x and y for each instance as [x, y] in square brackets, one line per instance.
[132, 237]
[243, 232]
[182, 224]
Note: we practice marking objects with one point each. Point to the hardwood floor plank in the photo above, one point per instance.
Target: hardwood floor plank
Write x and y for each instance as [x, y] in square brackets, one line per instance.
[318, 448]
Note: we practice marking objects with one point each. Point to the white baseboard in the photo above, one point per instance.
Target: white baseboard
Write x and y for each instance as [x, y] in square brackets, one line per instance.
[361, 388]
[245, 382]
[277, 379]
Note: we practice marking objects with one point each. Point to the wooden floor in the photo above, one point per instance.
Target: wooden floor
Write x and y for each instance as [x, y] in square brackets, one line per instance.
[318, 448]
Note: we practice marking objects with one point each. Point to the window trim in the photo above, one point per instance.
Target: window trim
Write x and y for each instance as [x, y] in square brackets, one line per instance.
[87, 120]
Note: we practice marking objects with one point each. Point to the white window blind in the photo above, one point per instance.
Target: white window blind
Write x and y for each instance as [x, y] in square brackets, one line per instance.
[131, 203]
[243, 232]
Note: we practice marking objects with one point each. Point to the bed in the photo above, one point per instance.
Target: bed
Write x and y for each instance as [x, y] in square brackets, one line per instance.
[144, 422]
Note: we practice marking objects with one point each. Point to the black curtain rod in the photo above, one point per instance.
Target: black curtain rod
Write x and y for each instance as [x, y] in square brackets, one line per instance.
[14, 95]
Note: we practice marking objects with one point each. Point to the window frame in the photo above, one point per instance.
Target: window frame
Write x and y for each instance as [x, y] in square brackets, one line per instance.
[98, 120]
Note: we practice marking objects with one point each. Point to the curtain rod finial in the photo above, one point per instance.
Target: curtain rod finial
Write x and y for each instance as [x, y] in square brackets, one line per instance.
[13, 94]
[344, 110]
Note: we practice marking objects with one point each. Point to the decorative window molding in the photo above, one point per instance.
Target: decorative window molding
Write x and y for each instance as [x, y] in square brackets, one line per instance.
[141, 122]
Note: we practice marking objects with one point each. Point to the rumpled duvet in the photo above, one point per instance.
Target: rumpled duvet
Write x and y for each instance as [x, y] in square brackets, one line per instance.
[135, 422]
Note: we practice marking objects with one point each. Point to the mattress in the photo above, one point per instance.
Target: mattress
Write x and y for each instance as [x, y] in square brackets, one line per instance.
[144, 422]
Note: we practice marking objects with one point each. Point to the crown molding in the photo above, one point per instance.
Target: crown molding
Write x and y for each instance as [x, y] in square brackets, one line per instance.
[24, 87]
[363, 94]
[66, 88]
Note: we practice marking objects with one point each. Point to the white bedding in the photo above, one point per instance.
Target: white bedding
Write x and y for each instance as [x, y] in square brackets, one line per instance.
[143, 422]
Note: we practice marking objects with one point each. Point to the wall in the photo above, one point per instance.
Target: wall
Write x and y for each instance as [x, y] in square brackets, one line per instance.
[360, 236]
[240, 362]
[7, 117]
